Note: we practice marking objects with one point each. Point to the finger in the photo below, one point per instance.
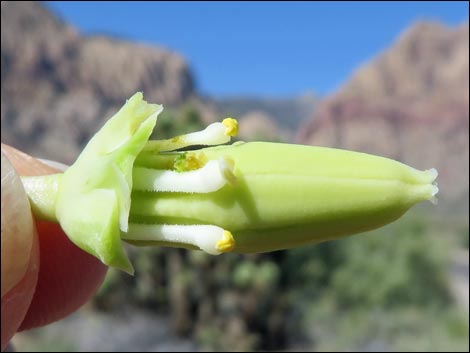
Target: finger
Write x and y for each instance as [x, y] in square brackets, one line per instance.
[17, 228]
[19, 252]
[68, 276]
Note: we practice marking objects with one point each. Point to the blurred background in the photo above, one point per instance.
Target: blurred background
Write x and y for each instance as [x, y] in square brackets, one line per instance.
[386, 78]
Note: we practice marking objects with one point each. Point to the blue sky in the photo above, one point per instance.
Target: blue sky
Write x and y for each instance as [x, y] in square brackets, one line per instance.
[262, 48]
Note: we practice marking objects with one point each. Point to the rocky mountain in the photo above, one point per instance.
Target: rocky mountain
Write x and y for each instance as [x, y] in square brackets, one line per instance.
[410, 103]
[58, 87]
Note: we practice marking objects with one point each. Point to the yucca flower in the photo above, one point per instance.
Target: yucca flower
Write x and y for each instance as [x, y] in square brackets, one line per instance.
[245, 197]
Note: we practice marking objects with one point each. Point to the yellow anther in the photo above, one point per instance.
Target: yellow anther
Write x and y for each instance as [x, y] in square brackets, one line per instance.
[187, 162]
[231, 126]
[193, 163]
[227, 243]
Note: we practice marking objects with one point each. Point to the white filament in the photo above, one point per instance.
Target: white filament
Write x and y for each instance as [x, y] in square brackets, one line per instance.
[214, 134]
[213, 176]
[204, 237]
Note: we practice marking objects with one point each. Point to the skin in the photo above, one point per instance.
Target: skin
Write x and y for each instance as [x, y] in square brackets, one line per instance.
[44, 277]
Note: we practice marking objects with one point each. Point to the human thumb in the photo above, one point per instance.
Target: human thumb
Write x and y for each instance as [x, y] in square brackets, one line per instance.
[19, 252]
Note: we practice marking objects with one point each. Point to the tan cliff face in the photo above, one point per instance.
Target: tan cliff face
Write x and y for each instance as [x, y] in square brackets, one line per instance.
[411, 103]
[58, 87]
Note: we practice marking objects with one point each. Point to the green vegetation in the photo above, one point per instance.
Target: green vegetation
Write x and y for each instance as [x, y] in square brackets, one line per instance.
[387, 290]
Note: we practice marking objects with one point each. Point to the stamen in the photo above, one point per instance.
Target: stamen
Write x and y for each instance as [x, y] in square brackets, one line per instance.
[231, 126]
[227, 243]
[214, 134]
[209, 238]
[213, 176]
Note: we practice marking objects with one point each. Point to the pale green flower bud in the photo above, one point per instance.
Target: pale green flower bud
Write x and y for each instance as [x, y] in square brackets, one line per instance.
[290, 195]
[245, 197]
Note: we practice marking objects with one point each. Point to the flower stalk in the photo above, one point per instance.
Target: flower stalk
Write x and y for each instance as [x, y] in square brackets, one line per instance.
[244, 197]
